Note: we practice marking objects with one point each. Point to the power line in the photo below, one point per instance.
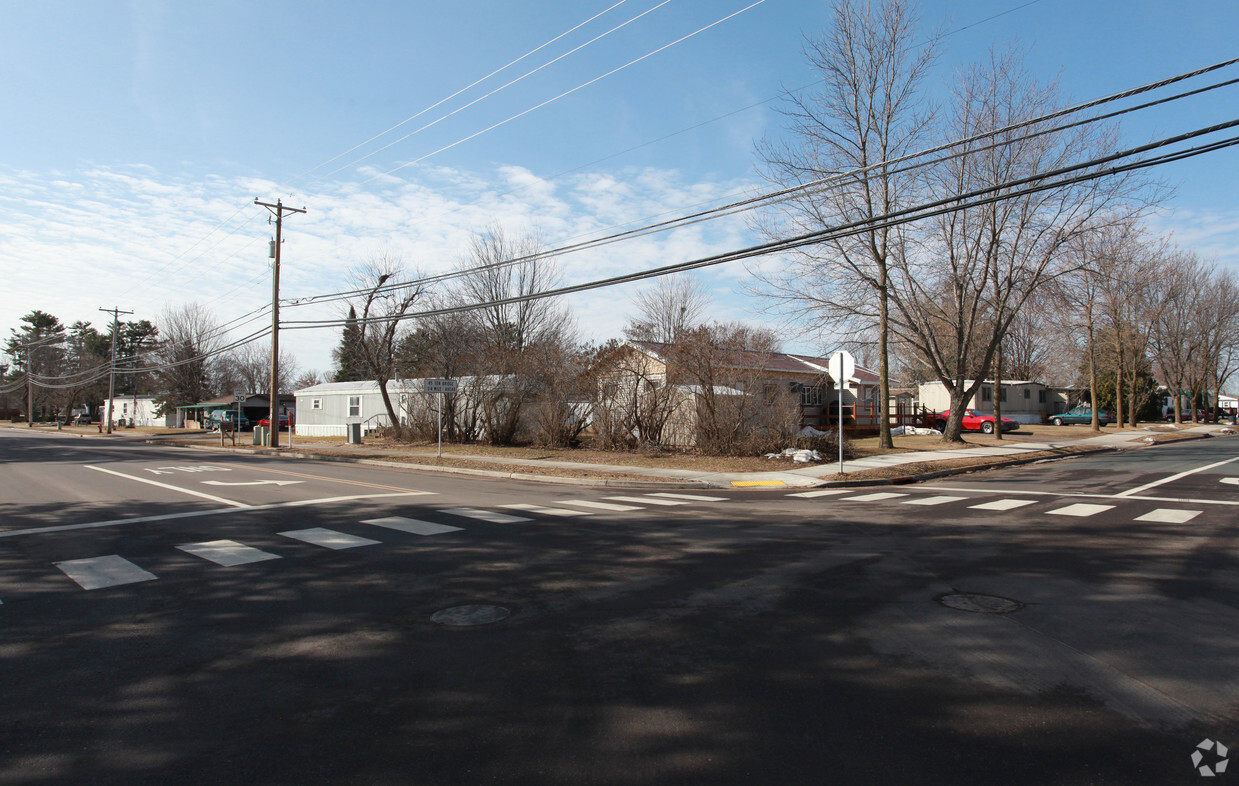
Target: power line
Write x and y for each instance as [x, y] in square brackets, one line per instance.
[942, 206]
[795, 191]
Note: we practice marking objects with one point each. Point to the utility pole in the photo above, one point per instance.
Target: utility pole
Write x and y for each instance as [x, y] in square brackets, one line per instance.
[115, 312]
[278, 211]
[29, 390]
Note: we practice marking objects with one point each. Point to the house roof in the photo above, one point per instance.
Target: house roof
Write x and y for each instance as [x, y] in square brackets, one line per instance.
[779, 362]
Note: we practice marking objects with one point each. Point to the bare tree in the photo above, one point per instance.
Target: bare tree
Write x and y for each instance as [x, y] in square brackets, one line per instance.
[1178, 331]
[1221, 329]
[866, 114]
[381, 307]
[981, 263]
[249, 367]
[188, 355]
[667, 309]
[499, 268]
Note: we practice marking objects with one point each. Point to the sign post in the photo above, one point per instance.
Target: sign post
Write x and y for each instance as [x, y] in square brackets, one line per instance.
[842, 366]
[440, 386]
[238, 396]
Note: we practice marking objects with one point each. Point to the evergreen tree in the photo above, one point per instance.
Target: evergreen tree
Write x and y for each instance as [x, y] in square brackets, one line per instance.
[349, 363]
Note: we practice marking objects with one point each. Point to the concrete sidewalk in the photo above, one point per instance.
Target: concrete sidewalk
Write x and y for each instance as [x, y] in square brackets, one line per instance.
[804, 476]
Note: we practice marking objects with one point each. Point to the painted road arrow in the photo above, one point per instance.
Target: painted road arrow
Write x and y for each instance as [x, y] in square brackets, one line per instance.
[251, 482]
[1234, 481]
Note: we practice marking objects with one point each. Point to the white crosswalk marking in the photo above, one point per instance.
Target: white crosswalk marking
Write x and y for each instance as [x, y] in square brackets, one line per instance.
[589, 503]
[546, 511]
[412, 526]
[693, 497]
[821, 493]
[99, 572]
[1080, 510]
[649, 500]
[228, 553]
[881, 495]
[485, 515]
[940, 500]
[1002, 504]
[1169, 516]
[328, 538]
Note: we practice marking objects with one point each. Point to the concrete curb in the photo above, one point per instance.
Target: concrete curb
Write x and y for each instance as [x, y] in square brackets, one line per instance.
[604, 482]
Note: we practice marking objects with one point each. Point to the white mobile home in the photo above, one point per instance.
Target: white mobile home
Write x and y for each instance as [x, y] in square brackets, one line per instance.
[326, 410]
[1022, 401]
[138, 410]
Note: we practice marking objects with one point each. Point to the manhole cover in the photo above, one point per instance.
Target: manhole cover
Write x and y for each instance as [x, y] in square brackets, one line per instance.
[470, 615]
[980, 604]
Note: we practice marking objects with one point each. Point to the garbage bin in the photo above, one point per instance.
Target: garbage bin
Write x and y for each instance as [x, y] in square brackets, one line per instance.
[262, 435]
[354, 434]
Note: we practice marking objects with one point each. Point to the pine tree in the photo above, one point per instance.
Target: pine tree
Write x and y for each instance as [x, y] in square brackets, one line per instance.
[349, 366]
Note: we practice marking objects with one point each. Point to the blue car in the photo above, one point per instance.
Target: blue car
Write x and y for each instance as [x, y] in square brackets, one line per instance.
[1082, 415]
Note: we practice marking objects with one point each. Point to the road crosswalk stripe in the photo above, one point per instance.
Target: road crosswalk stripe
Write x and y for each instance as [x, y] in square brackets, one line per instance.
[589, 503]
[1169, 516]
[412, 526]
[1080, 510]
[228, 553]
[939, 500]
[821, 493]
[546, 511]
[485, 515]
[99, 572]
[328, 538]
[876, 497]
[650, 500]
[693, 497]
[1002, 504]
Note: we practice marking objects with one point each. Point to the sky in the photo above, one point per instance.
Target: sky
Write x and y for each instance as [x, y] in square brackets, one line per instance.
[137, 135]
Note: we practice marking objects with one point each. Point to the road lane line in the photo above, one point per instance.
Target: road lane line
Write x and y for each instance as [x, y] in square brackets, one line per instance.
[693, 497]
[189, 514]
[412, 526]
[1172, 478]
[328, 538]
[1003, 504]
[565, 512]
[330, 480]
[485, 515]
[99, 572]
[875, 497]
[822, 493]
[649, 500]
[940, 500]
[589, 503]
[1080, 510]
[1169, 516]
[150, 482]
[228, 553]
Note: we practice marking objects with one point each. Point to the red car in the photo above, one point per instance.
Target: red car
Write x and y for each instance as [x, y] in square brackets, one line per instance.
[284, 422]
[975, 421]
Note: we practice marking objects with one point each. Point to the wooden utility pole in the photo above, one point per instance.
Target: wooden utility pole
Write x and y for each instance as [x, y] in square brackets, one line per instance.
[278, 211]
[115, 312]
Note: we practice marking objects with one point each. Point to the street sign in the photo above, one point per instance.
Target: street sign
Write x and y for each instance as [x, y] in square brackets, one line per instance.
[439, 385]
[842, 367]
[238, 395]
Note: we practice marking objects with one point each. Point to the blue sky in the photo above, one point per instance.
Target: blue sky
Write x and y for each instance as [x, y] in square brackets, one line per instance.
[137, 135]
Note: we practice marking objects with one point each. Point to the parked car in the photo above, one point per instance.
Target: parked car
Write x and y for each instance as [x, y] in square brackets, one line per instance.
[286, 422]
[1202, 416]
[228, 420]
[975, 421]
[1082, 415]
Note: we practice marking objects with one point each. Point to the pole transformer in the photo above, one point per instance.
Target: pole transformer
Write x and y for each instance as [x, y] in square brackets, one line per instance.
[115, 312]
[278, 210]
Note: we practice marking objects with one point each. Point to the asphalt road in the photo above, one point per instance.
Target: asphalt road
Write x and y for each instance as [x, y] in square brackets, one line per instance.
[178, 616]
